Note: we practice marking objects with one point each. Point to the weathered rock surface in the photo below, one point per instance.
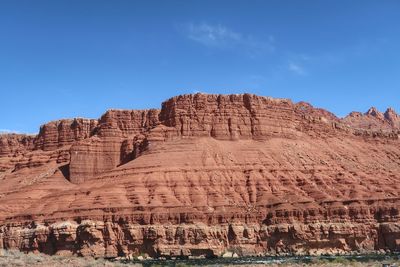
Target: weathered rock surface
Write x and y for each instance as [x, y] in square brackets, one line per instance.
[60, 133]
[203, 175]
[374, 119]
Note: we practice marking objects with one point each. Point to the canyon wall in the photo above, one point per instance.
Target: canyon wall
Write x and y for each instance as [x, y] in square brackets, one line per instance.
[203, 175]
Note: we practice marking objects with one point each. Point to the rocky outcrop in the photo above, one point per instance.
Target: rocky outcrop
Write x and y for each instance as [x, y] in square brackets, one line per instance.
[108, 239]
[203, 175]
[373, 119]
[392, 117]
[15, 144]
[232, 117]
[108, 148]
[229, 117]
[60, 133]
[129, 122]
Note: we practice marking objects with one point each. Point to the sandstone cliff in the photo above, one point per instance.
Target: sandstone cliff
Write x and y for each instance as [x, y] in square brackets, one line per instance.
[374, 119]
[202, 175]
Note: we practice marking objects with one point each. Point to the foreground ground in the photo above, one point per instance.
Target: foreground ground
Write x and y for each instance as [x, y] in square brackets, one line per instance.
[17, 258]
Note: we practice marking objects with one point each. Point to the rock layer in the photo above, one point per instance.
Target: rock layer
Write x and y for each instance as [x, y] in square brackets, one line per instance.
[374, 119]
[203, 175]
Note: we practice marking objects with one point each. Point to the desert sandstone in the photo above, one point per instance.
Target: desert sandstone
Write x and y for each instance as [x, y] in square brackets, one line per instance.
[203, 175]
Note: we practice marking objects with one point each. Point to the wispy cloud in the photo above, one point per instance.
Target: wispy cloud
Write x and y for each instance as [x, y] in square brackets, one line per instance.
[6, 131]
[212, 35]
[222, 37]
[296, 68]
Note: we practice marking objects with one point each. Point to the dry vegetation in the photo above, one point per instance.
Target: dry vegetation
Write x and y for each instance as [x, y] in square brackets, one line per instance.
[17, 258]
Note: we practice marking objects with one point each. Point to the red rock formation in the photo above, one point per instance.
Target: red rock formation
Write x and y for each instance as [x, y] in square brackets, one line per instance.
[205, 174]
[104, 151]
[374, 120]
[392, 117]
[60, 133]
[229, 116]
[13, 146]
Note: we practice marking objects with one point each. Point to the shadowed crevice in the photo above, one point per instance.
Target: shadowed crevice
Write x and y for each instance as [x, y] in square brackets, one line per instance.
[65, 171]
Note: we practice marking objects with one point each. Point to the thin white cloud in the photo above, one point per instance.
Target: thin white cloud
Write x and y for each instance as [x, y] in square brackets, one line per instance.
[296, 68]
[220, 36]
[212, 35]
[6, 131]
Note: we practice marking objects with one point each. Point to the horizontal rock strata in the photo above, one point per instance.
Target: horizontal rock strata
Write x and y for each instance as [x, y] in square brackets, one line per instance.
[203, 175]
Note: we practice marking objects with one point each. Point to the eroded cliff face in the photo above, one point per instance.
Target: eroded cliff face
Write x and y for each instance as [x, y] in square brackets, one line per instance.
[374, 119]
[61, 133]
[203, 175]
[111, 239]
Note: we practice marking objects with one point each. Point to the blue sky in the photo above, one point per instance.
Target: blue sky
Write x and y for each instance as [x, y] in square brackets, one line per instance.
[61, 59]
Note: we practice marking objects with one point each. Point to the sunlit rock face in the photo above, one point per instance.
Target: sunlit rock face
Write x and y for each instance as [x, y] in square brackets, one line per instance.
[202, 175]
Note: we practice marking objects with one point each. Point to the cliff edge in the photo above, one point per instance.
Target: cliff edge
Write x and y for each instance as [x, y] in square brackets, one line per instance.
[203, 175]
